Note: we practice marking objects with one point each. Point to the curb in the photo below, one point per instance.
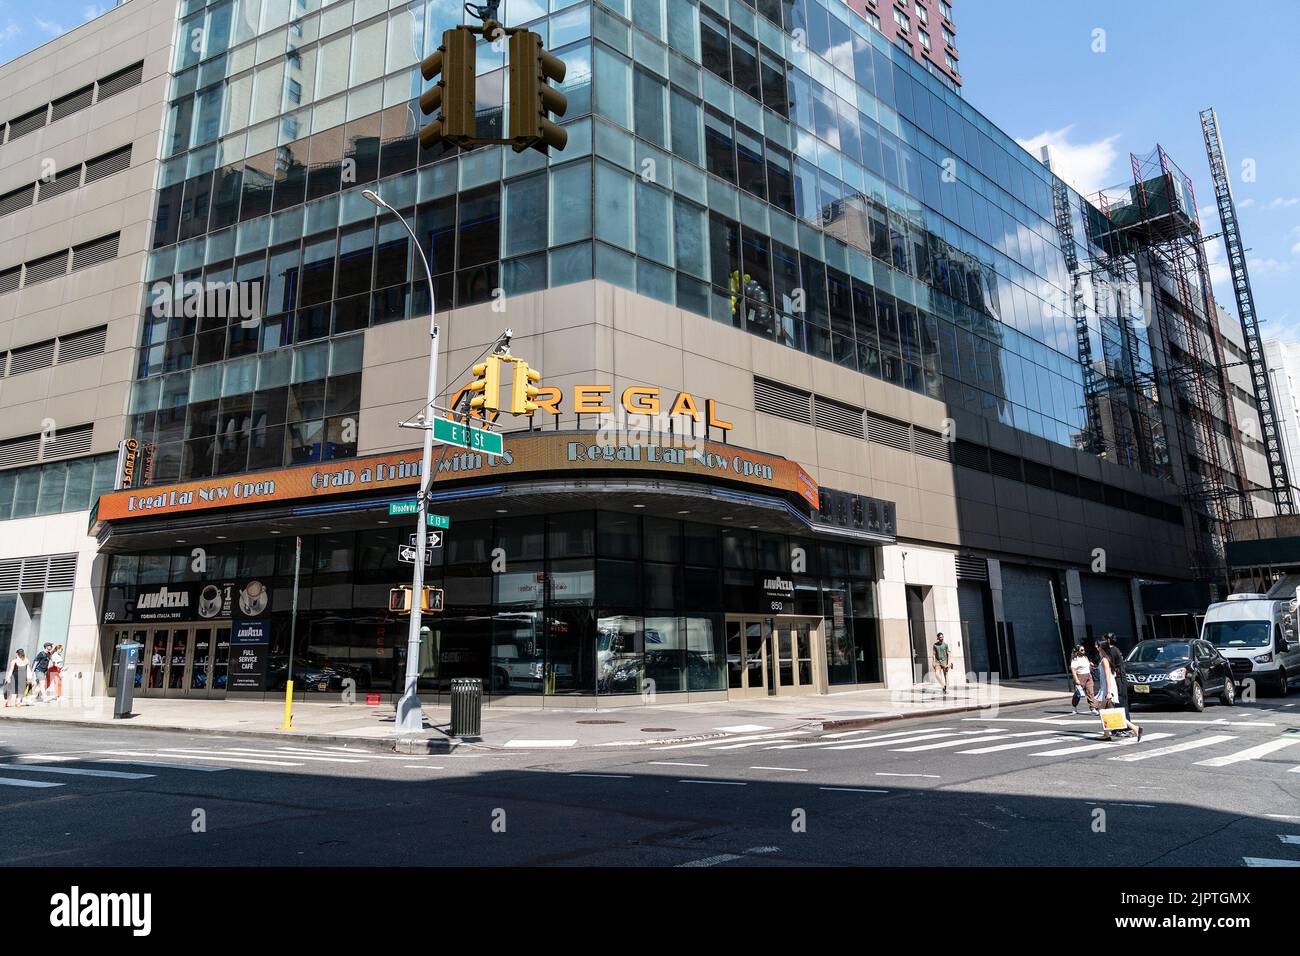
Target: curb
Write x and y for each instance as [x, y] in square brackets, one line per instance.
[404, 745]
[853, 723]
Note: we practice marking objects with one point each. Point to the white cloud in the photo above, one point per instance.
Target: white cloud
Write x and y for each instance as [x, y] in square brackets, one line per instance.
[9, 31]
[91, 11]
[1217, 260]
[47, 26]
[1245, 204]
[1296, 249]
[1085, 166]
[1267, 266]
[1284, 202]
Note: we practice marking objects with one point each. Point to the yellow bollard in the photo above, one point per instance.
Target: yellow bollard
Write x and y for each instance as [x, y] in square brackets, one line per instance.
[288, 706]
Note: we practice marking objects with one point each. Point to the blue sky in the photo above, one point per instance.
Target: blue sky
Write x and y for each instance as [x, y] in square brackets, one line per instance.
[26, 24]
[1030, 67]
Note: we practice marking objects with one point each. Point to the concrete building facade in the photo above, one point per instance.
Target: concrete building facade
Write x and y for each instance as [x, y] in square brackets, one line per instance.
[810, 395]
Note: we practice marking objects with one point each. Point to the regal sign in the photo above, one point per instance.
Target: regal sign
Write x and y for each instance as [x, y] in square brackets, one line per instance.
[548, 454]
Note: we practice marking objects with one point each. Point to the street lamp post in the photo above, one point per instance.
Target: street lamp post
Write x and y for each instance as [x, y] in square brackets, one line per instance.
[410, 718]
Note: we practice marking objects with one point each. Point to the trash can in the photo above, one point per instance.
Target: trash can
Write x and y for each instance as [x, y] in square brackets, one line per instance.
[466, 706]
[127, 662]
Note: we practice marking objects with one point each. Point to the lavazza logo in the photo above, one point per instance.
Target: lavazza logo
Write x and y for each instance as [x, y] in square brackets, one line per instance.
[162, 598]
[76, 909]
[781, 585]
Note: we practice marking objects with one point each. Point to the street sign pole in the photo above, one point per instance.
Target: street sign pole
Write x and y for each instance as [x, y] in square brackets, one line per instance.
[410, 717]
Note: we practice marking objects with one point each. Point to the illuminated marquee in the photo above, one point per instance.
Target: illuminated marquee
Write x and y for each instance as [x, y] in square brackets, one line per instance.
[635, 400]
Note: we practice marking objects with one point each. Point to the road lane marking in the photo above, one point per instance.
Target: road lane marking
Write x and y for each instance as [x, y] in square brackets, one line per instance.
[785, 769]
[1143, 806]
[1282, 816]
[1289, 837]
[970, 740]
[604, 776]
[1265, 861]
[928, 776]
[1104, 745]
[1195, 744]
[674, 763]
[1250, 753]
[717, 783]
[743, 728]
[359, 754]
[711, 860]
[78, 772]
[10, 782]
[540, 744]
[890, 743]
[1216, 722]
[1015, 746]
[853, 789]
[420, 766]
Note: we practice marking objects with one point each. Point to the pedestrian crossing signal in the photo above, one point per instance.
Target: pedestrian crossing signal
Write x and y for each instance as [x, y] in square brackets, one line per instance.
[399, 600]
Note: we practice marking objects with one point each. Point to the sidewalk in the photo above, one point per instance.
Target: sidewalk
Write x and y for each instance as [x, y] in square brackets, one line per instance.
[513, 728]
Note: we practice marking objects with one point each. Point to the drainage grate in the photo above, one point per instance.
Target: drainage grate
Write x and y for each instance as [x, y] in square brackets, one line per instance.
[600, 721]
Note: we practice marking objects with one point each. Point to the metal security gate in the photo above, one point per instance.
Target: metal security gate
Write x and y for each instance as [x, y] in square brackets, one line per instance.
[971, 605]
[1029, 606]
[1108, 606]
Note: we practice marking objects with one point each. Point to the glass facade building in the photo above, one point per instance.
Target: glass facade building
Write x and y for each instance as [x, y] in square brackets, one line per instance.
[777, 165]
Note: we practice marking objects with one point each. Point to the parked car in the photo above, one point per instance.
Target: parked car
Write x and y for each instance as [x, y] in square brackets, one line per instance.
[1180, 672]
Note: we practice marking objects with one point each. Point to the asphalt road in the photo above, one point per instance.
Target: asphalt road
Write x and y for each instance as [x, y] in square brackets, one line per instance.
[1031, 786]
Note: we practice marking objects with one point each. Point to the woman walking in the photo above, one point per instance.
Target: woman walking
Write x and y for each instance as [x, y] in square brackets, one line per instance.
[16, 677]
[1112, 664]
[1081, 671]
[55, 674]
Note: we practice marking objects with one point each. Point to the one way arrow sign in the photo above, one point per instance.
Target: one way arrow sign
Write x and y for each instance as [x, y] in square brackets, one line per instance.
[406, 554]
[434, 540]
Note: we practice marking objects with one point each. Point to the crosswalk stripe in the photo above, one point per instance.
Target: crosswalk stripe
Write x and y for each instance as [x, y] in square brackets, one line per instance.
[165, 766]
[1289, 837]
[717, 740]
[836, 738]
[1085, 748]
[1250, 753]
[241, 752]
[201, 755]
[1194, 744]
[342, 753]
[890, 743]
[78, 772]
[755, 743]
[1265, 861]
[1016, 746]
[970, 740]
[10, 782]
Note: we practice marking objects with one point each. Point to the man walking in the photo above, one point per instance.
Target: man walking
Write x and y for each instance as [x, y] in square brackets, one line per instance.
[41, 671]
[940, 663]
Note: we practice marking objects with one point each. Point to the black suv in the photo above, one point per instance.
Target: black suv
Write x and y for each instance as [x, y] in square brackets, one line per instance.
[1178, 672]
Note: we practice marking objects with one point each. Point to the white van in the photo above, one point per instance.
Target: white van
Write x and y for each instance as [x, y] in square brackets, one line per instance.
[1257, 635]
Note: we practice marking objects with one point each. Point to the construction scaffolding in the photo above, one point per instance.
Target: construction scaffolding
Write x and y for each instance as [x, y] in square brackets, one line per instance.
[1279, 480]
[1148, 233]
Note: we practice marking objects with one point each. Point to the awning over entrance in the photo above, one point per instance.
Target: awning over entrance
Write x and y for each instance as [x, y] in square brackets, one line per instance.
[537, 473]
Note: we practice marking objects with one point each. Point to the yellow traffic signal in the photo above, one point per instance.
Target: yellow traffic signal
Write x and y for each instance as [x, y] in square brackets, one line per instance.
[453, 64]
[486, 386]
[399, 600]
[524, 389]
[531, 99]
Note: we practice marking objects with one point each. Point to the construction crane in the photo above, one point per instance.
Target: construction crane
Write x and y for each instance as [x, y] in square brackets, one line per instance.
[1258, 364]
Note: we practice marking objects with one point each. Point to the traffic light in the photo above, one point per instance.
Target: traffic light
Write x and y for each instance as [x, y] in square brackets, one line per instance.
[399, 600]
[531, 98]
[430, 599]
[524, 389]
[486, 386]
[453, 91]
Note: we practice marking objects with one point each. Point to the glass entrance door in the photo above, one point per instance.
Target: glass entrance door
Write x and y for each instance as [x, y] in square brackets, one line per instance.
[773, 656]
[178, 661]
[209, 662]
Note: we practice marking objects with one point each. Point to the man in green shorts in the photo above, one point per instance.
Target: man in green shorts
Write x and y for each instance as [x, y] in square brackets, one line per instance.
[942, 665]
